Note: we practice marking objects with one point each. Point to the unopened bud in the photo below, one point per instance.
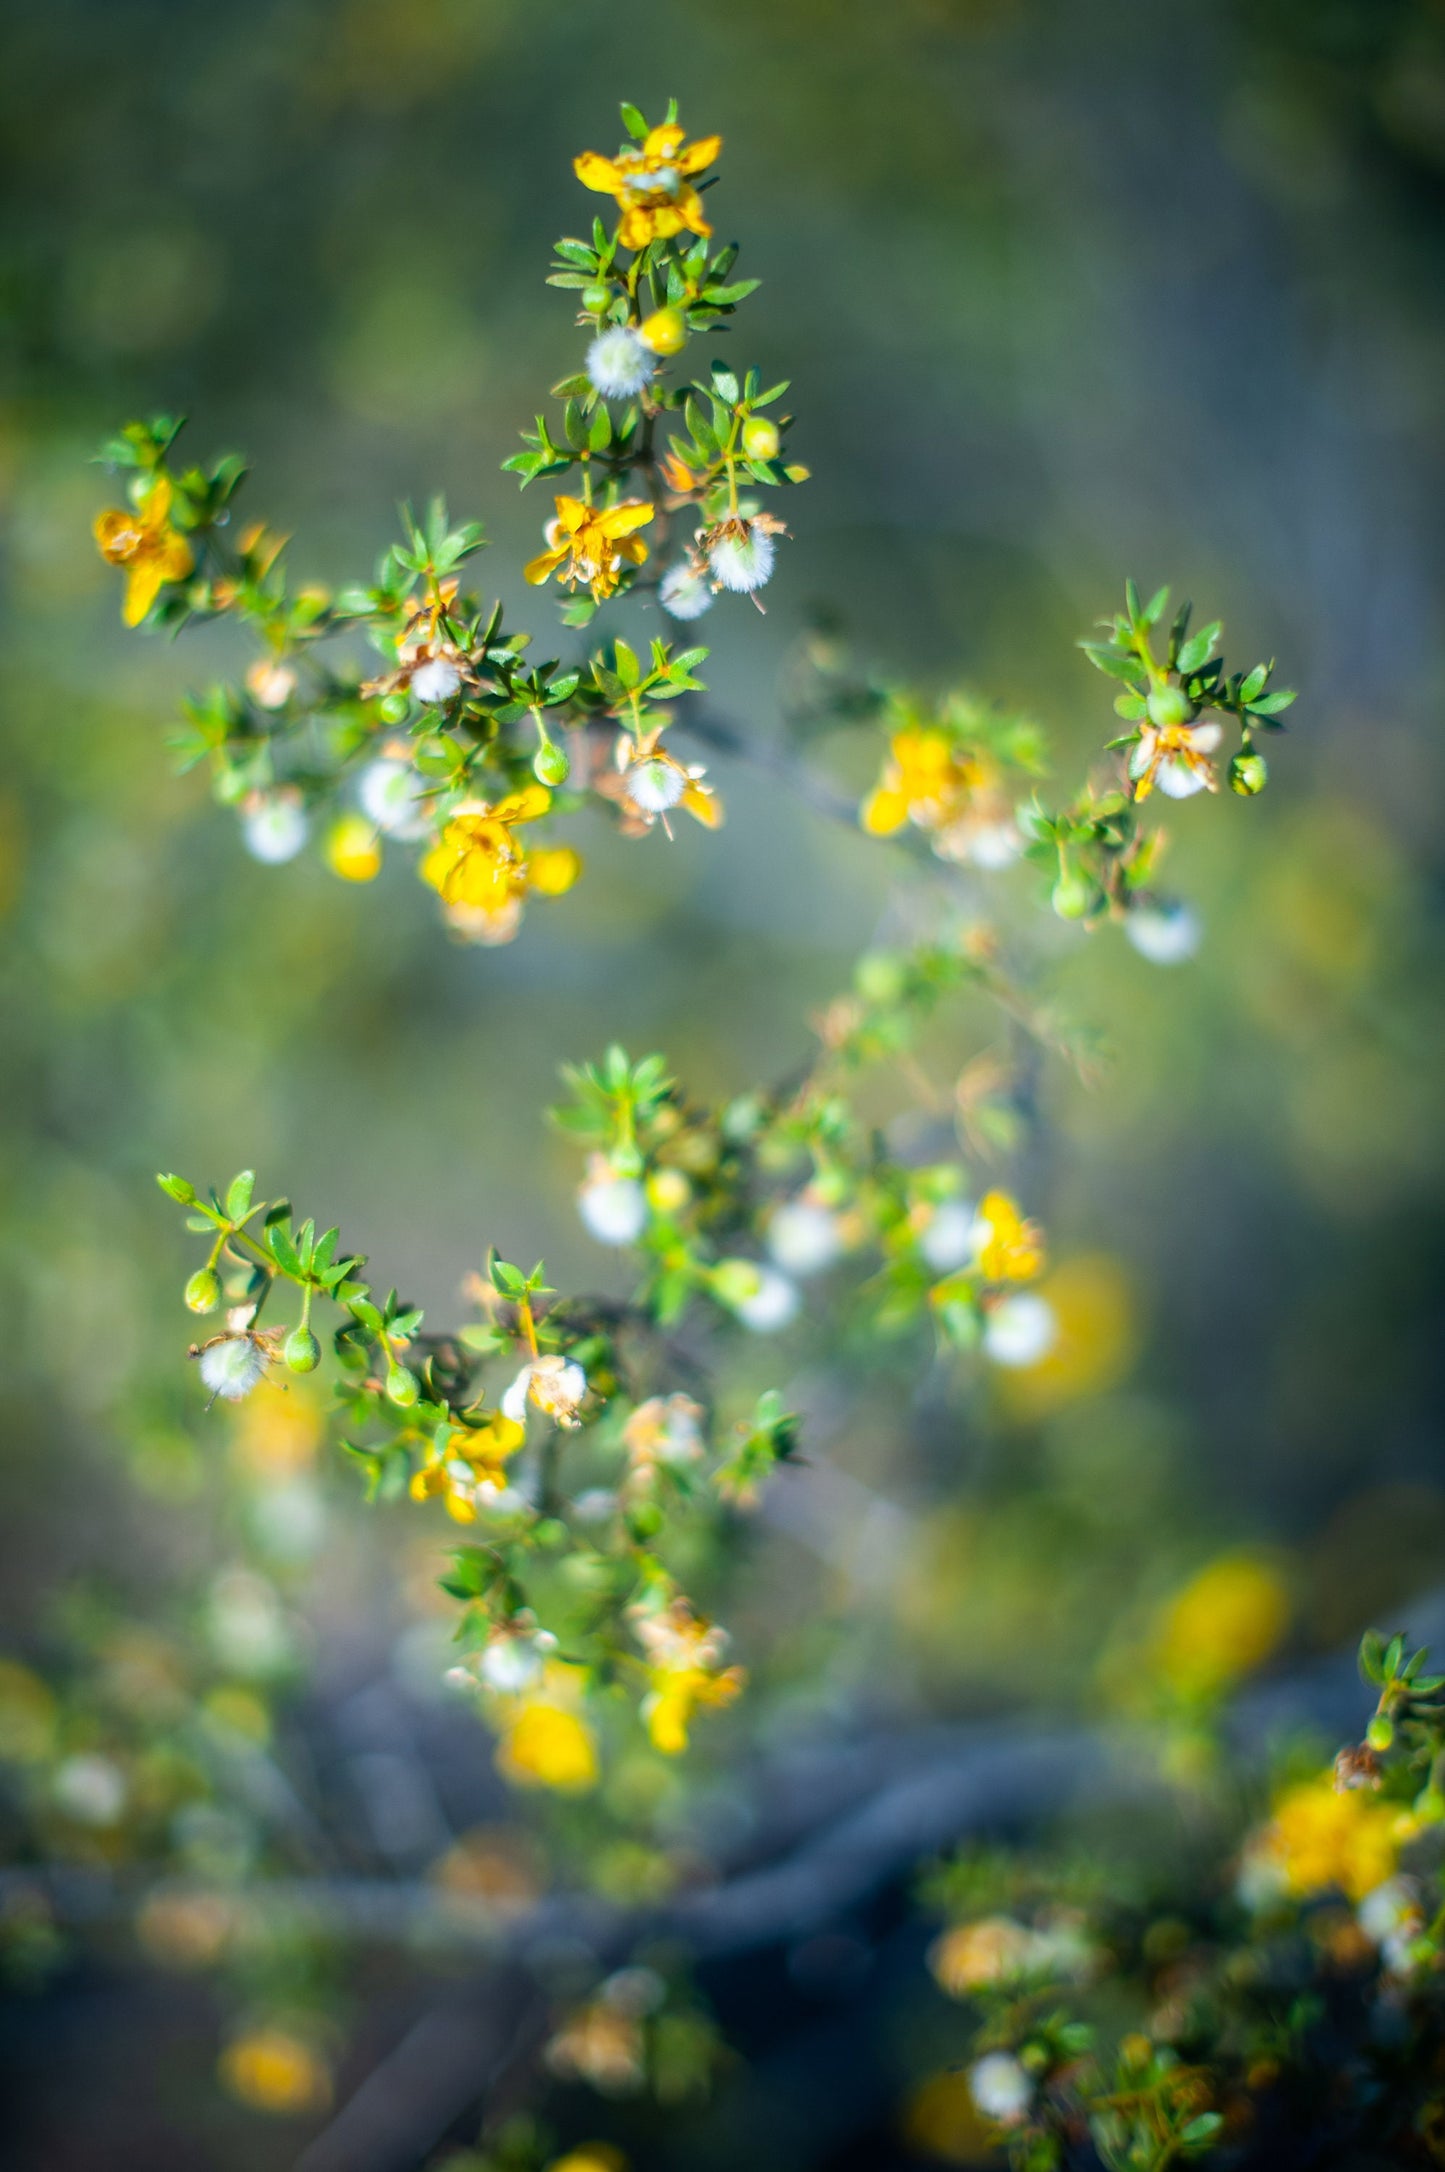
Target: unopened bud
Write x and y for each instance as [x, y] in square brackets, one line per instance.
[203, 1291]
[401, 1386]
[595, 299]
[1169, 705]
[550, 765]
[760, 438]
[1248, 774]
[303, 1351]
[1381, 1731]
[665, 331]
[393, 708]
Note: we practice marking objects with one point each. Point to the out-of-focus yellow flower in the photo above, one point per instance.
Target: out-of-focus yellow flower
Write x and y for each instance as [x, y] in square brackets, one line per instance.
[143, 541]
[469, 1460]
[545, 1740]
[683, 1652]
[652, 183]
[184, 1930]
[593, 544]
[353, 849]
[1222, 1625]
[1094, 1344]
[1319, 1840]
[993, 1950]
[482, 873]
[942, 2120]
[277, 1431]
[27, 1716]
[602, 2044]
[274, 2070]
[951, 790]
[590, 2157]
[1012, 1250]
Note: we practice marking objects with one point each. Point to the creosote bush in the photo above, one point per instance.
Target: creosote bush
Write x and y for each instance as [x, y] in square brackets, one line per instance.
[602, 1457]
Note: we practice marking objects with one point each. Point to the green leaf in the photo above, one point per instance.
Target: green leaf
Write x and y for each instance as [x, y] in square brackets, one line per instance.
[178, 1189]
[283, 1251]
[633, 122]
[629, 671]
[239, 1196]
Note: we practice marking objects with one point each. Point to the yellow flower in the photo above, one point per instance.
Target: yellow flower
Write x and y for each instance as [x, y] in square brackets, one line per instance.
[468, 1460]
[546, 1745]
[1222, 1625]
[273, 2070]
[594, 543]
[1319, 1840]
[992, 1950]
[683, 1651]
[1012, 1249]
[1176, 758]
[353, 849]
[144, 542]
[652, 182]
[482, 872]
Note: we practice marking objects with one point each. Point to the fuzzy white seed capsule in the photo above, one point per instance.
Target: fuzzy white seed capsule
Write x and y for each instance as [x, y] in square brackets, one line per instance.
[683, 593]
[435, 680]
[511, 1664]
[1021, 1330]
[390, 794]
[1001, 2087]
[90, 1789]
[614, 1209]
[1165, 934]
[951, 1237]
[656, 785]
[619, 363]
[742, 558]
[803, 1237]
[232, 1367]
[771, 1305]
[274, 827]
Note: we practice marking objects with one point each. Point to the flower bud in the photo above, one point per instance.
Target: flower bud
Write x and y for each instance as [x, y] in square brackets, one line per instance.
[1380, 1733]
[393, 708]
[1169, 705]
[203, 1291]
[303, 1351]
[665, 331]
[760, 438]
[1248, 774]
[401, 1386]
[646, 1520]
[550, 765]
[1073, 894]
[595, 299]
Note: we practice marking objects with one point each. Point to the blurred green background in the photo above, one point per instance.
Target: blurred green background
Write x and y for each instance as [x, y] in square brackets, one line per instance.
[1066, 289]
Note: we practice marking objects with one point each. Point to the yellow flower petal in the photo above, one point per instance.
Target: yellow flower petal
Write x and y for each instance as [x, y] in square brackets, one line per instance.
[596, 172]
[524, 806]
[700, 154]
[541, 569]
[883, 813]
[704, 806]
[553, 869]
[143, 584]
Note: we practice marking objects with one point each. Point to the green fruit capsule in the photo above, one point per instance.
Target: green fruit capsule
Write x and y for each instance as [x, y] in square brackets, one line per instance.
[1073, 894]
[760, 438]
[1169, 705]
[394, 708]
[303, 1351]
[1380, 1733]
[402, 1387]
[550, 765]
[203, 1291]
[1248, 774]
[596, 298]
